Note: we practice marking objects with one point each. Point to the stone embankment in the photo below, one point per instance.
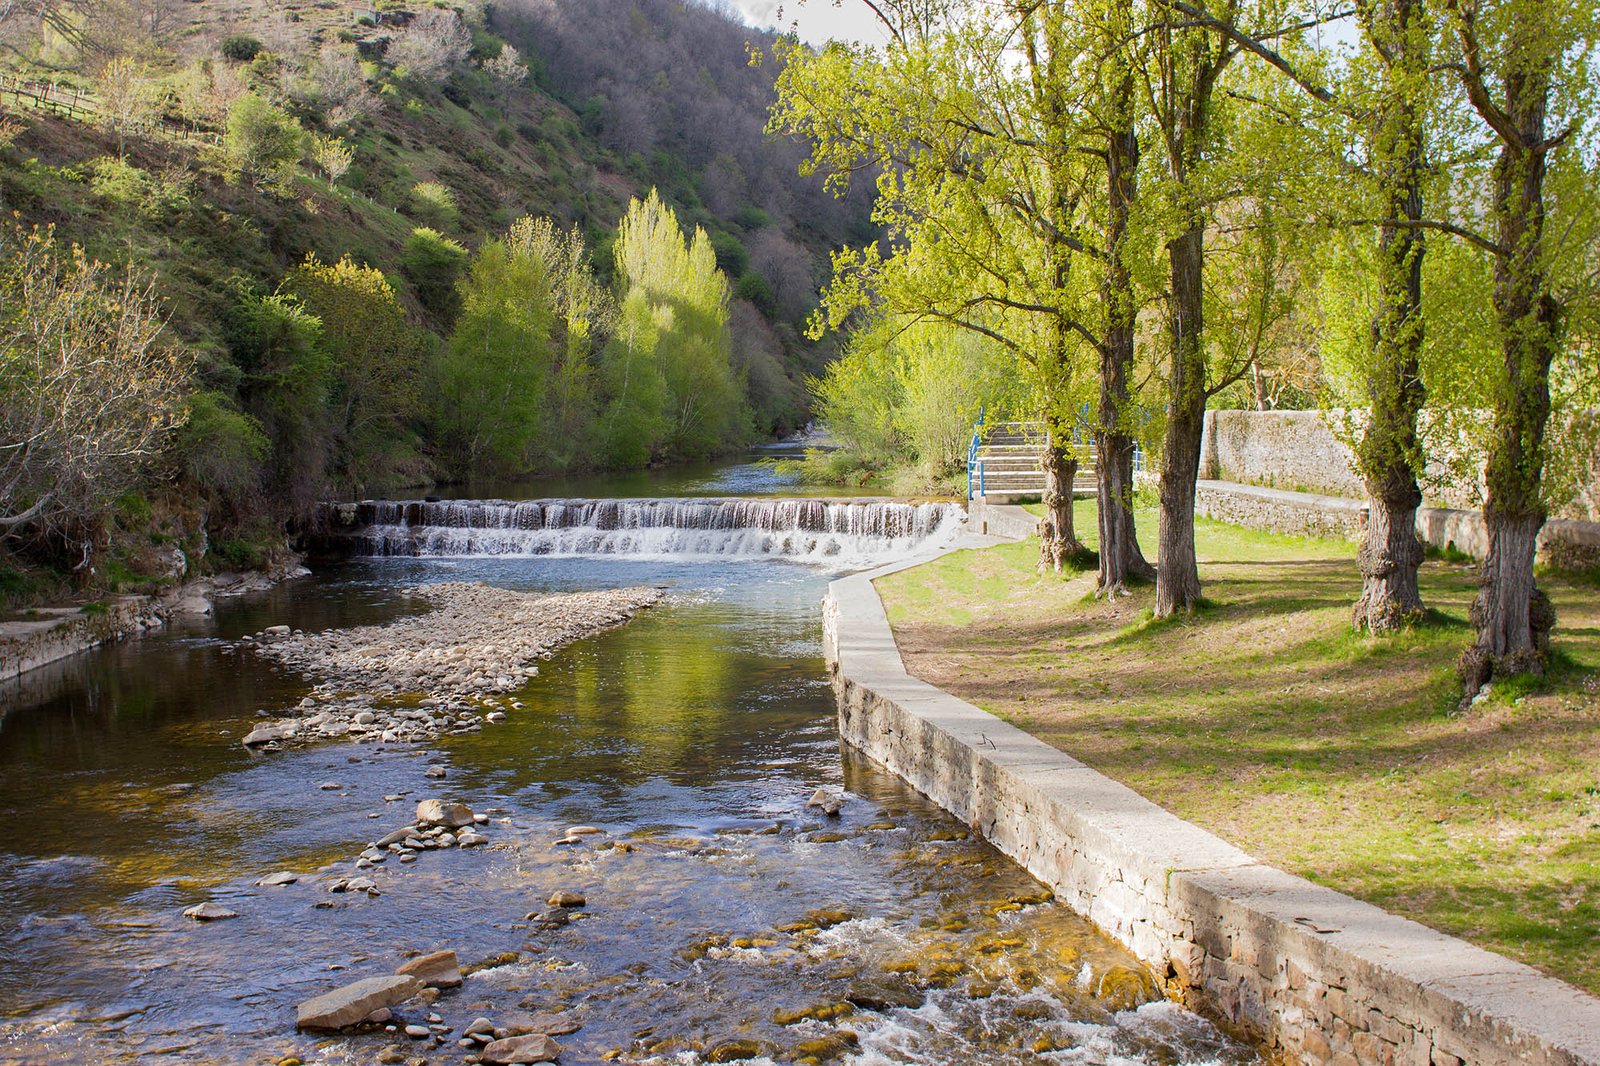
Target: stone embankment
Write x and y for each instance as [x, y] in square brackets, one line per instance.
[1322, 978]
[50, 634]
[446, 670]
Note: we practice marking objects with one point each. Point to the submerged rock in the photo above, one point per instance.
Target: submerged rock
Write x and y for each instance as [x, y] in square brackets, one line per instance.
[440, 969]
[282, 877]
[209, 912]
[351, 1004]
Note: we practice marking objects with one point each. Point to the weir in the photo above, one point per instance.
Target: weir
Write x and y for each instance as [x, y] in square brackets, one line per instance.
[840, 533]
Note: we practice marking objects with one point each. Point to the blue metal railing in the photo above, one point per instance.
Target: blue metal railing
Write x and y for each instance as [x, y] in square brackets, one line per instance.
[973, 463]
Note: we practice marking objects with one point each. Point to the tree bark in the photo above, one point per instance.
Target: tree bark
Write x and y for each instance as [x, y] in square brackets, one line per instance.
[1120, 558]
[1512, 616]
[1389, 452]
[1177, 575]
[1058, 540]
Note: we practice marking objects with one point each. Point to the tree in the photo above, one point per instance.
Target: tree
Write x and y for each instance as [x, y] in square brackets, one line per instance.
[376, 371]
[497, 365]
[1525, 67]
[586, 315]
[507, 70]
[432, 45]
[333, 156]
[434, 262]
[89, 391]
[125, 97]
[686, 298]
[263, 140]
[287, 385]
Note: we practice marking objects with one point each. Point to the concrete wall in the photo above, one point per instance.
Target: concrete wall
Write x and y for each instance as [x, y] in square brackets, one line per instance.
[1321, 977]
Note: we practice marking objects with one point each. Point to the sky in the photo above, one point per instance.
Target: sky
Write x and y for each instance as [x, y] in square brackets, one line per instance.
[816, 20]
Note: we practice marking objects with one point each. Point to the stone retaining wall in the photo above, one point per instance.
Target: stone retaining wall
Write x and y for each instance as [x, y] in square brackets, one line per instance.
[1569, 544]
[1320, 977]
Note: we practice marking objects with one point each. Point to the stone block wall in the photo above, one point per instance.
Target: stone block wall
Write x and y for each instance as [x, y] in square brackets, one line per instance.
[1321, 978]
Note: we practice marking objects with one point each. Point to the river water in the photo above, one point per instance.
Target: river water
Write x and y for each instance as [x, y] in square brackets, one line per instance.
[694, 735]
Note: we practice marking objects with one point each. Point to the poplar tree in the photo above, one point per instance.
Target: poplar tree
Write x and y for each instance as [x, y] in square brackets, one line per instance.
[1527, 68]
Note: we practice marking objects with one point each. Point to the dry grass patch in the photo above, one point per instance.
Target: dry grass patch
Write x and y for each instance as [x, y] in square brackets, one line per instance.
[1266, 720]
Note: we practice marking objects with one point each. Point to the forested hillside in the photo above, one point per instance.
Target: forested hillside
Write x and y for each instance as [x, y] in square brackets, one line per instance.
[349, 250]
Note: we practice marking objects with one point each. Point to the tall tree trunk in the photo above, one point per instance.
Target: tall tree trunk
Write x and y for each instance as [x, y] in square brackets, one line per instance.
[1512, 616]
[1177, 574]
[1120, 557]
[1058, 539]
[1389, 453]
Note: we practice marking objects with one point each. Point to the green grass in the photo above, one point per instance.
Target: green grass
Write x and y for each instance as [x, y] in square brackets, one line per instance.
[1267, 719]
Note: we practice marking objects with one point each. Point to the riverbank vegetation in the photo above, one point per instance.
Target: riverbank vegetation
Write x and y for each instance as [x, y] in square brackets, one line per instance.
[376, 249]
[1150, 209]
[1335, 755]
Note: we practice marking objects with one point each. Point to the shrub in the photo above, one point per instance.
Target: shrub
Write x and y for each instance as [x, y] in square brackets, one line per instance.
[241, 47]
[433, 204]
[434, 262]
[221, 449]
[262, 140]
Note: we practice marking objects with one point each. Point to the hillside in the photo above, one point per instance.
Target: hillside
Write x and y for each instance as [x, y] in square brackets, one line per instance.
[214, 146]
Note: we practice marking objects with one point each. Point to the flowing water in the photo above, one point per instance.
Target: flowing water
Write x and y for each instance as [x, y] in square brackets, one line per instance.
[693, 735]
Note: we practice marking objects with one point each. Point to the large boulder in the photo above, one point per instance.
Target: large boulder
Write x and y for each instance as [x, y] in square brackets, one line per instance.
[441, 969]
[351, 1005]
[267, 734]
[535, 1047]
[449, 815]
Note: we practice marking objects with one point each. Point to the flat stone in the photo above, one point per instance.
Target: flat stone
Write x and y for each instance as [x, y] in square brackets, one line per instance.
[566, 899]
[266, 734]
[553, 916]
[584, 831]
[550, 1025]
[346, 1006]
[396, 837]
[209, 912]
[439, 812]
[535, 1047]
[418, 1032]
[440, 969]
[282, 877]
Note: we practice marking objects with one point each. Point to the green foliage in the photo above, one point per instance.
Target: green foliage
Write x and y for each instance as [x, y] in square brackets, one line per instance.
[434, 204]
[677, 301]
[241, 47]
[221, 450]
[496, 367]
[263, 141]
[377, 379]
[156, 198]
[732, 257]
[434, 264]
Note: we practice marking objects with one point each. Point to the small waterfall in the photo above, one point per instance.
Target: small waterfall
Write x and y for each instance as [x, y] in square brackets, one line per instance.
[833, 532]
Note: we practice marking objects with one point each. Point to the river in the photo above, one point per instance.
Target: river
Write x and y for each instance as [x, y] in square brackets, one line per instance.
[693, 735]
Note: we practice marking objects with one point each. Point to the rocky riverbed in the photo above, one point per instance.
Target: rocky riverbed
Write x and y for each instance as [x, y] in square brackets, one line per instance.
[446, 670]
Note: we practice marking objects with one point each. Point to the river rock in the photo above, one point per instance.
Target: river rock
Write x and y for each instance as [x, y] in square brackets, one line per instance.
[266, 734]
[434, 771]
[535, 1047]
[438, 812]
[347, 1006]
[418, 1032]
[282, 877]
[209, 912]
[584, 831]
[548, 1024]
[469, 839]
[440, 969]
[566, 899]
[830, 803]
[399, 836]
[550, 918]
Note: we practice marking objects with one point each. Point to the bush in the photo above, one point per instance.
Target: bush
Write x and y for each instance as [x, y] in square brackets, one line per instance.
[434, 262]
[732, 259]
[263, 141]
[433, 204]
[221, 449]
[753, 287]
[241, 47]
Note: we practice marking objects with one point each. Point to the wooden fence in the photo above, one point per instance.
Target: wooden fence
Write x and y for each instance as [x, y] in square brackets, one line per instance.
[73, 103]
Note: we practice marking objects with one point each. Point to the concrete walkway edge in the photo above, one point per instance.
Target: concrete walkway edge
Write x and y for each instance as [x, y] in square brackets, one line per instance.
[1319, 976]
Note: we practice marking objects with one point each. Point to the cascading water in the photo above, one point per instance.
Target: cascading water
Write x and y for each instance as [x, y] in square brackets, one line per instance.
[839, 533]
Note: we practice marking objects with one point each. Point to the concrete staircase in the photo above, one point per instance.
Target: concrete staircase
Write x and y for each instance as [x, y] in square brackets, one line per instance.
[1004, 462]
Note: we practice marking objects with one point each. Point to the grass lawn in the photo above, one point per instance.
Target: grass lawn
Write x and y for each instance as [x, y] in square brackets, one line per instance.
[1266, 720]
